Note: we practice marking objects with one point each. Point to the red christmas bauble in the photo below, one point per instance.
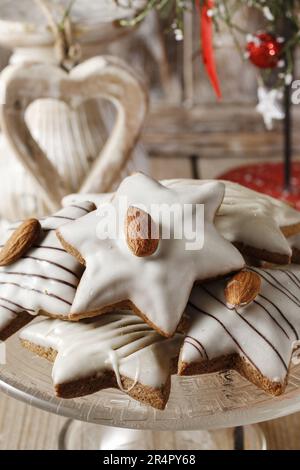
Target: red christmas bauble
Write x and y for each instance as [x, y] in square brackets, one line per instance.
[264, 51]
[267, 178]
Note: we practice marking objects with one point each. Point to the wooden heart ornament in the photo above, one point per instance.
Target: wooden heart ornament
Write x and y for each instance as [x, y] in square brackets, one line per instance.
[100, 77]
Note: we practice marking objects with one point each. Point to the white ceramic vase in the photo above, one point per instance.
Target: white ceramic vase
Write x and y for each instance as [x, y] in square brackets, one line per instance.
[55, 135]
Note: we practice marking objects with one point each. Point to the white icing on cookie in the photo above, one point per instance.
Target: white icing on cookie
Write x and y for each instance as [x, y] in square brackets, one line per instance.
[296, 354]
[245, 216]
[264, 333]
[46, 277]
[159, 285]
[119, 342]
[97, 199]
[249, 217]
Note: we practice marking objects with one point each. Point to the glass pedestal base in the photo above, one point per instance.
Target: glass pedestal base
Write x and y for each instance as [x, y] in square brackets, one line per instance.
[212, 401]
[76, 435]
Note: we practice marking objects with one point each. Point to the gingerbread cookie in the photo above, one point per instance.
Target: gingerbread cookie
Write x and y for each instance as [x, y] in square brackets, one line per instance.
[11, 322]
[256, 223]
[114, 350]
[152, 276]
[294, 243]
[268, 243]
[45, 278]
[257, 339]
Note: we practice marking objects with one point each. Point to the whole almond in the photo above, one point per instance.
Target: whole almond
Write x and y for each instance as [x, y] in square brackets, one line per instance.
[142, 234]
[242, 289]
[21, 240]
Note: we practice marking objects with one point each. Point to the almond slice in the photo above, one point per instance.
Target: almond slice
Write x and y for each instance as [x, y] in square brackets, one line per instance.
[21, 240]
[242, 289]
[141, 232]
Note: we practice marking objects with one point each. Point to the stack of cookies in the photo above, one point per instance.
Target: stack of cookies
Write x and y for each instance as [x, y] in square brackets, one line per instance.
[182, 276]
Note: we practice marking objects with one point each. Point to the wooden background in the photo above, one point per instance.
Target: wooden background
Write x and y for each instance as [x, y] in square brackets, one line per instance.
[187, 134]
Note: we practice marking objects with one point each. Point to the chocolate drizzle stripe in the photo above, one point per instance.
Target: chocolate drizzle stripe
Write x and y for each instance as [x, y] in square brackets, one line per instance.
[200, 345]
[49, 294]
[193, 342]
[283, 286]
[186, 341]
[282, 315]
[250, 326]
[7, 308]
[291, 276]
[274, 285]
[79, 207]
[40, 276]
[53, 264]
[63, 217]
[266, 339]
[271, 316]
[40, 247]
[17, 305]
[227, 331]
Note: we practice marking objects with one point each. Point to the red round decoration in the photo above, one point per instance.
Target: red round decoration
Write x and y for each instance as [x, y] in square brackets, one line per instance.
[264, 51]
[267, 178]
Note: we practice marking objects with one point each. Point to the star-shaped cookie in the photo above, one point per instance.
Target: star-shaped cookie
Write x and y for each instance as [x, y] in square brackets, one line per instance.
[238, 217]
[114, 350]
[258, 340]
[156, 286]
[44, 279]
[256, 223]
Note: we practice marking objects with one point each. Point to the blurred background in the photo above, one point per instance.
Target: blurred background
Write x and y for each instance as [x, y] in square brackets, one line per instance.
[185, 118]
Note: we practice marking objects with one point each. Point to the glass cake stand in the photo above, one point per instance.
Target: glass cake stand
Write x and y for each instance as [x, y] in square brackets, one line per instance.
[214, 411]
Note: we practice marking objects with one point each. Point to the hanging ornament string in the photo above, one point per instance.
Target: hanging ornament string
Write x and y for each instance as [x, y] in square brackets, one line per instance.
[67, 52]
[265, 50]
[206, 27]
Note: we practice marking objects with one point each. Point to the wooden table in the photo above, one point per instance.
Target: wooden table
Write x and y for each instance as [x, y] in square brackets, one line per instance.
[195, 151]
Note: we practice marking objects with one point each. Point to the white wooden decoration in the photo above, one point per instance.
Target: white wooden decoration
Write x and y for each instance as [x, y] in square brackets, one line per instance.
[99, 77]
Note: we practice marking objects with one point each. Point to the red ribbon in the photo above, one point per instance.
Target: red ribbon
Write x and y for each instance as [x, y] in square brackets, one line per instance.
[206, 28]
